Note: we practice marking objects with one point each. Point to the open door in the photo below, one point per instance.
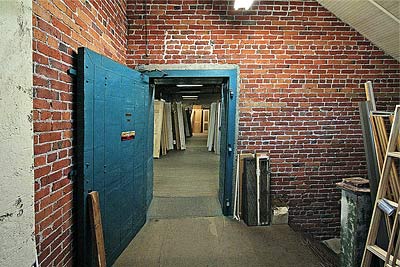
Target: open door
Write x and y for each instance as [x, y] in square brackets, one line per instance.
[223, 149]
[227, 146]
[113, 114]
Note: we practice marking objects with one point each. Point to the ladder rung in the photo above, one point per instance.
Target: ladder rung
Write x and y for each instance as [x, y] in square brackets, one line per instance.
[374, 249]
[379, 252]
[394, 154]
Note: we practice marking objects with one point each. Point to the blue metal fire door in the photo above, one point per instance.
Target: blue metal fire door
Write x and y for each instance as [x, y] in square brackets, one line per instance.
[114, 152]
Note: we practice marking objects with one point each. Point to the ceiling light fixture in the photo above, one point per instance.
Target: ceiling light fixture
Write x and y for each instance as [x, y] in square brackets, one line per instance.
[243, 4]
[188, 92]
[190, 96]
[189, 85]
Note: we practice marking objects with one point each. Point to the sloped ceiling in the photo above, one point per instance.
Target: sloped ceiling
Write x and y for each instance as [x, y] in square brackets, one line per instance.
[377, 20]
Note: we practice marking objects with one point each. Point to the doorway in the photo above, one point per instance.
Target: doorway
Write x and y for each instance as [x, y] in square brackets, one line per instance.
[223, 80]
[186, 148]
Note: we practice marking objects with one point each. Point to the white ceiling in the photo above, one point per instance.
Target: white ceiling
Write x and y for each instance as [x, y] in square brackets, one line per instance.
[377, 20]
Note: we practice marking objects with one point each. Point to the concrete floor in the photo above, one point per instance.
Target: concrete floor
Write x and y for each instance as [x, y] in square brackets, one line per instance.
[186, 228]
[189, 173]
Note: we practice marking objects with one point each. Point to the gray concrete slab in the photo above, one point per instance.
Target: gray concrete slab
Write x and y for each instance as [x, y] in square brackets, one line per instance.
[188, 173]
[181, 207]
[215, 241]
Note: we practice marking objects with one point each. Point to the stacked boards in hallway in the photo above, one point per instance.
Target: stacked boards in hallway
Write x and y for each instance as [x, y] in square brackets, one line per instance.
[214, 127]
[171, 127]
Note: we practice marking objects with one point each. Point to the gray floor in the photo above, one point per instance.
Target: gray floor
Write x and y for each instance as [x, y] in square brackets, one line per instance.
[186, 228]
[189, 173]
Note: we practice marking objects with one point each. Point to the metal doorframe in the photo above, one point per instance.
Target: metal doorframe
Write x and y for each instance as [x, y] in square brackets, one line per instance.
[204, 71]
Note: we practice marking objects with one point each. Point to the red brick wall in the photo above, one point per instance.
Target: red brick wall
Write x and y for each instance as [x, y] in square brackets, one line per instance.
[301, 73]
[59, 28]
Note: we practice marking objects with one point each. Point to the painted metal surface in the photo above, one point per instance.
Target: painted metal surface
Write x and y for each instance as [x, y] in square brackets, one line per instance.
[226, 192]
[112, 99]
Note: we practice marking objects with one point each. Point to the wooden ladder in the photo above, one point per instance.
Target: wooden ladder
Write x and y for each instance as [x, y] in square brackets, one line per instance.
[384, 206]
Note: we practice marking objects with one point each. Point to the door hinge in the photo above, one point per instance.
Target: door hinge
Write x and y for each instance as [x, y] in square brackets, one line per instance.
[72, 72]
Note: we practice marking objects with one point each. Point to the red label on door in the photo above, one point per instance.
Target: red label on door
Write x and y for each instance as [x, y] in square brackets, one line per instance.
[125, 136]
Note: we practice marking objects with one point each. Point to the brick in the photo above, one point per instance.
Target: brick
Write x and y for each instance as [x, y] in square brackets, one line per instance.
[44, 254]
[47, 50]
[42, 126]
[46, 71]
[42, 171]
[40, 149]
[40, 81]
[61, 125]
[50, 200]
[50, 239]
[40, 104]
[51, 157]
[41, 214]
[60, 184]
[62, 86]
[45, 93]
[44, 191]
[61, 164]
[40, 161]
[51, 178]
[38, 58]
[49, 137]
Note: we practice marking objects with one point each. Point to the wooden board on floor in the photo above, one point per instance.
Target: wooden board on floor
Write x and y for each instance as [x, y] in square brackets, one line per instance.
[164, 135]
[176, 126]
[197, 118]
[211, 132]
[217, 134]
[188, 116]
[158, 118]
[206, 113]
[170, 143]
[250, 192]
[264, 187]
[241, 172]
[181, 126]
[185, 123]
[97, 228]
